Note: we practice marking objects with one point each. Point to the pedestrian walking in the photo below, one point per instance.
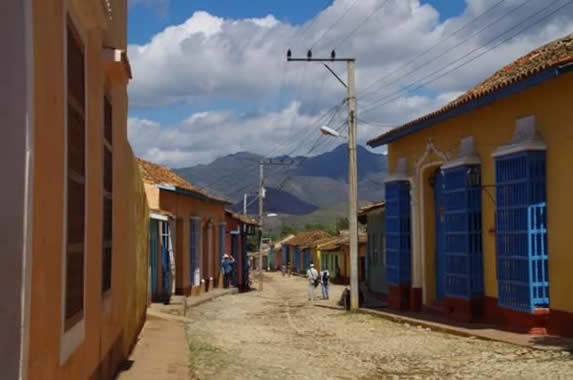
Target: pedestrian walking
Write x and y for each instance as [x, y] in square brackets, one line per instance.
[227, 267]
[313, 281]
[324, 279]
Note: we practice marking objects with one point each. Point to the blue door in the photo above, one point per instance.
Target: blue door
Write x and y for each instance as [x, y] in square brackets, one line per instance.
[154, 257]
[236, 255]
[165, 261]
[440, 234]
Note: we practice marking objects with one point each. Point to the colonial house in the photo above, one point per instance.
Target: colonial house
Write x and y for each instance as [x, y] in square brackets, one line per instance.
[335, 256]
[197, 230]
[238, 229]
[478, 203]
[373, 217]
[280, 252]
[74, 214]
[301, 250]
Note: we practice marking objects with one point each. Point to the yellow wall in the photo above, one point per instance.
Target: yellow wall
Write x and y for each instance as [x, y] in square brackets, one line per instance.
[492, 126]
[112, 321]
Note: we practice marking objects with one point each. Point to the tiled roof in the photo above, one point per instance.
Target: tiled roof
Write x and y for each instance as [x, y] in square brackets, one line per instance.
[340, 241]
[307, 238]
[161, 175]
[242, 218]
[551, 55]
[375, 206]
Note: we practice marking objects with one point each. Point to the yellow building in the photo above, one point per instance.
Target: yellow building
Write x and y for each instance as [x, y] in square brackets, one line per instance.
[478, 203]
[74, 214]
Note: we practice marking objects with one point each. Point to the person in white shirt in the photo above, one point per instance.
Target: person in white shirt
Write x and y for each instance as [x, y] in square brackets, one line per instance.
[313, 281]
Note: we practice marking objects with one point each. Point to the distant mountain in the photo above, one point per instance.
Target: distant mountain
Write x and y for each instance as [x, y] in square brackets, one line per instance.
[311, 183]
[276, 201]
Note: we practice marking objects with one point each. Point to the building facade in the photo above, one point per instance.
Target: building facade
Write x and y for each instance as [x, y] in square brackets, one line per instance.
[238, 229]
[373, 217]
[77, 228]
[476, 202]
[197, 229]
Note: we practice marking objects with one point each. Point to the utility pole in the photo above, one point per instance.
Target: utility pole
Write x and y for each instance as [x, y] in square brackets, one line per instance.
[352, 170]
[262, 164]
[261, 196]
[245, 197]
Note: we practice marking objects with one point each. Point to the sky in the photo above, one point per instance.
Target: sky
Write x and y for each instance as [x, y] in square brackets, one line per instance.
[211, 77]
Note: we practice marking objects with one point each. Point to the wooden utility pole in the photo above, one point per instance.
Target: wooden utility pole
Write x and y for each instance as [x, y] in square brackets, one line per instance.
[262, 164]
[261, 196]
[352, 166]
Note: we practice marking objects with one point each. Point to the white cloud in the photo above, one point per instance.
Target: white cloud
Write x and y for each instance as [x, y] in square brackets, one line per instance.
[209, 59]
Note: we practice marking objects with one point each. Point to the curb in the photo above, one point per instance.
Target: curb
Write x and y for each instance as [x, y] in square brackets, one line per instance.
[187, 306]
[450, 329]
[339, 308]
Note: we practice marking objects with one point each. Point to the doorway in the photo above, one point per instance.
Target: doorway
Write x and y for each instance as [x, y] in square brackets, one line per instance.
[440, 220]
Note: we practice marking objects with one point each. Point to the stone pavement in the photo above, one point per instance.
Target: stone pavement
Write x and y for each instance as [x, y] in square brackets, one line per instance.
[162, 352]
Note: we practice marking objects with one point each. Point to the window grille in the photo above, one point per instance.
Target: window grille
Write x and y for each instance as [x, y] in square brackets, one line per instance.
[463, 233]
[398, 245]
[521, 231]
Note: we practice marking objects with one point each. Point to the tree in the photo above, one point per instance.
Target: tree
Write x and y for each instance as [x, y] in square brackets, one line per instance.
[287, 230]
[342, 224]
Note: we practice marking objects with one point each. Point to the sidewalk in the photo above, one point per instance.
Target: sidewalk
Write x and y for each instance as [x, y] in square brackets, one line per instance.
[477, 330]
[377, 307]
[162, 351]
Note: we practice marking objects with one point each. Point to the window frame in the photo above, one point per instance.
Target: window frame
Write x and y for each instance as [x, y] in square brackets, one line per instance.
[73, 332]
[107, 194]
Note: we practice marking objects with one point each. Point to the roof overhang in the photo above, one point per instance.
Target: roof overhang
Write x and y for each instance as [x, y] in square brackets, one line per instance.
[116, 64]
[192, 194]
[473, 104]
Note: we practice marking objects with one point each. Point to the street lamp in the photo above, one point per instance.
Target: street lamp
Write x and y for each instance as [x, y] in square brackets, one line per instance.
[325, 130]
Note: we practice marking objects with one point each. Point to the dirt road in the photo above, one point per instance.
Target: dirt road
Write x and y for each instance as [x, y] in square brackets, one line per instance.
[277, 334]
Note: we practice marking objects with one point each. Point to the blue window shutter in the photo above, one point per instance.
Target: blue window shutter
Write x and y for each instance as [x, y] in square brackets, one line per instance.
[194, 246]
[221, 241]
[463, 234]
[398, 245]
[521, 231]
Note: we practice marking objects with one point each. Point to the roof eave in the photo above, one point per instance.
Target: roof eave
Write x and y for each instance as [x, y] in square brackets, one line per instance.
[191, 193]
[473, 104]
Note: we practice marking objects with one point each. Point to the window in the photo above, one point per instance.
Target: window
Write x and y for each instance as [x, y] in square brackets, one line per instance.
[76, 177]
[194, 248]
[521, 231]
[397, 214]
[107, 194]
[462, 233]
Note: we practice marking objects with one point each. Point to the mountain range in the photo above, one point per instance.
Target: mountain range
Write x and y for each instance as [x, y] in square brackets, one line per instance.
[304, 186]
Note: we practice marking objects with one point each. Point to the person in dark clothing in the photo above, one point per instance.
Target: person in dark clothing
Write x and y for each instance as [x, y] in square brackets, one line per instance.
[324, 279]
[227, 267]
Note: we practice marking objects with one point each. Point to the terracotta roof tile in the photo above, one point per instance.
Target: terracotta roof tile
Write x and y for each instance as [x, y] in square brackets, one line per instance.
[553, 54]
[155, 174]
[242, 218]
[307, 238]
[366, 209]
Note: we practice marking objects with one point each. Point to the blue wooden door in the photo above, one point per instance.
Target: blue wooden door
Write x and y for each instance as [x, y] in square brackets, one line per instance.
[154, 257]
[165, 261]
[440, 234]
[236, 255]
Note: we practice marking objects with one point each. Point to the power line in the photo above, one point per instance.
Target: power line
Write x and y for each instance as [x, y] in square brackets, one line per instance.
[440, 42]
[412, 87]
[344, 13]
[362, 23]
[433, 59]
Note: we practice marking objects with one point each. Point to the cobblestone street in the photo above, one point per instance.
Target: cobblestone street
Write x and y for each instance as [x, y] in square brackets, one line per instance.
[277, 334]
